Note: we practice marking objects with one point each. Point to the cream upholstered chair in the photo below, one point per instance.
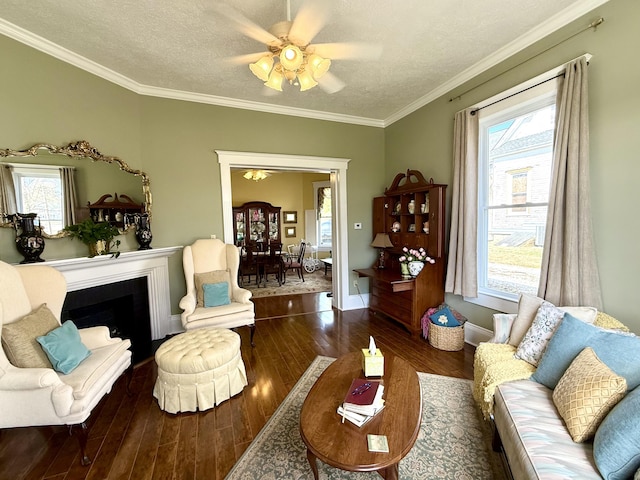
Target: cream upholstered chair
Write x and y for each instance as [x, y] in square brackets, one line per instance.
[43, 396]
[210, 262]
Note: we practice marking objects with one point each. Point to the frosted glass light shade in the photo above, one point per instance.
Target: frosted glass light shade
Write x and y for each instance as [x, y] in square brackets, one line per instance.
[306, 80]
[262, 67]
[319, 65]
[291, 57]
[275, 79]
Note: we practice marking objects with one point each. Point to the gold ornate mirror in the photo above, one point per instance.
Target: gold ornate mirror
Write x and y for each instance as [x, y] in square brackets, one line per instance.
[93, 178]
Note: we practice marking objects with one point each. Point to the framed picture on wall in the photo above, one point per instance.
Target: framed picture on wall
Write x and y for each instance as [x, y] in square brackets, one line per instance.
[289, 232]
[290, 217]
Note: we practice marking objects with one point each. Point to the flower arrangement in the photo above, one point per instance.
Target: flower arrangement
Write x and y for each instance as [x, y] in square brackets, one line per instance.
[413, 255]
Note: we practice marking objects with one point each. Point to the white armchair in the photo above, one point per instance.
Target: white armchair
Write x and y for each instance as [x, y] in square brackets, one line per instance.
[210, 261]
[42, 396]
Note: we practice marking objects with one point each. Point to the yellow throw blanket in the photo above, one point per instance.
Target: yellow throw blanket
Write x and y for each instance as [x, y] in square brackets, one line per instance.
[494, 364]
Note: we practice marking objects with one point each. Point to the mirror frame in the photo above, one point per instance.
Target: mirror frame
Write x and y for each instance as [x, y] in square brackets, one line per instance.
[81, 149]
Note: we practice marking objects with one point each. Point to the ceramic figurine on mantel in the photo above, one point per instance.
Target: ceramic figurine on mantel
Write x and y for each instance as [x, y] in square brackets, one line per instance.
[29, 239]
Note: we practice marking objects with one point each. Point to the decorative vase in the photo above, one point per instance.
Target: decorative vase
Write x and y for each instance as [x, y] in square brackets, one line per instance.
[412, 207]
[415, 267]
[143, 231]
[404, 270]
[29, 242]
[97, 248]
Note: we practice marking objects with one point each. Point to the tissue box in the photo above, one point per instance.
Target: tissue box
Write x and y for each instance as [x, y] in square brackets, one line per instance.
[372, 365]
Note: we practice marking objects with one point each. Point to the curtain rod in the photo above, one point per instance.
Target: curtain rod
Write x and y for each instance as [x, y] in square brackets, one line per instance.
[595, 24]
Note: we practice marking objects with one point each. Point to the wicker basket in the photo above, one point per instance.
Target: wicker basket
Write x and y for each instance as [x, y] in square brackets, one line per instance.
[450, 339]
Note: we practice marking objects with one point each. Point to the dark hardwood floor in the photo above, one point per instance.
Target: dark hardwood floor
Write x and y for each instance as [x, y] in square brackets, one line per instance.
[131, 438]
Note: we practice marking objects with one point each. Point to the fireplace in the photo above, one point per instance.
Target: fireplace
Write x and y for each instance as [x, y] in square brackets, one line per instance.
[122, 306]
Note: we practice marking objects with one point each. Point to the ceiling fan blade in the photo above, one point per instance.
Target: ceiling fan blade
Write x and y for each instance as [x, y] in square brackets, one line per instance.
[244, 25]
[246, 59]
[330, 83]
[346, 50]
[310, 19]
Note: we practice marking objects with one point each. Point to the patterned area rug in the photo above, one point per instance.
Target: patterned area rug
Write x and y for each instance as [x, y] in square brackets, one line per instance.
[453, 443]
[313, 283]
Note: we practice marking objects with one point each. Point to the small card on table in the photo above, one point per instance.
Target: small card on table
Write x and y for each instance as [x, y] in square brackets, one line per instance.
[377, 443]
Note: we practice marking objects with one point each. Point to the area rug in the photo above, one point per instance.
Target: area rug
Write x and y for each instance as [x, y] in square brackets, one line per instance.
[453, 443]
[313, 283]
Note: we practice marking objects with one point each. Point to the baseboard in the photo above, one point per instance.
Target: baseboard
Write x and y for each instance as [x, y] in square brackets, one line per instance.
[356, 302]
[473, 334]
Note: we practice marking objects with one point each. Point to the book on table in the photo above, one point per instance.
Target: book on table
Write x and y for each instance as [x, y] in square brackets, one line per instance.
[363, 401]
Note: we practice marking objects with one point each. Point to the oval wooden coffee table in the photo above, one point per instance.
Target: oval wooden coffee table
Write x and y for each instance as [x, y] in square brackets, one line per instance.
[344, 445]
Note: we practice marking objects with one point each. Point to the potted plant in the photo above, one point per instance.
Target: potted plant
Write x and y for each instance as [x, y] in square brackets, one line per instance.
[98, 236]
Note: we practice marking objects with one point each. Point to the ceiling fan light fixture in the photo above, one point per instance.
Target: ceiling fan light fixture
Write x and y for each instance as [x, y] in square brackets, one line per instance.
[275, 79]
[291, 57]
[306, 80]
[262, 67]
[319, 65]
[255, 175]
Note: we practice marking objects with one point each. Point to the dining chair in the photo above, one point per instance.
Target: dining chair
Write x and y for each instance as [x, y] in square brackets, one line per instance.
[248, 265]
[295, 264]
[273, 263]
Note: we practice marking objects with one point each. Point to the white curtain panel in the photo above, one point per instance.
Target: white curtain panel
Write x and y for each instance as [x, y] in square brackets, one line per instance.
[462, 271]
[69, 196]
[7, 191]
[569, 274]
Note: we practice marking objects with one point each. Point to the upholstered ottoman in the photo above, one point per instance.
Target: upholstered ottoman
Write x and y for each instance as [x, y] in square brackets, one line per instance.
[199, 369]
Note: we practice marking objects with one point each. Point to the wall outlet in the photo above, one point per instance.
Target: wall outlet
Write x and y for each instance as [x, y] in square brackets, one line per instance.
[213, 236]
[355, 283]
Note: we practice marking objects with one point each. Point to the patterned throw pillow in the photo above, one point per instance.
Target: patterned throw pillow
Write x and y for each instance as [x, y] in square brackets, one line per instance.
[542, 329]
[214, 276]
[586, 393]
[19, 338]
[527, 309]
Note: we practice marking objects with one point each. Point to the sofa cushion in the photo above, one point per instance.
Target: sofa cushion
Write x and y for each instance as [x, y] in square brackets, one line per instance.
[616, 446]
[620, 352]
[19, 338]
[216, 294]
[64, 347]
[586, 393]
[527, 309]
[214, 276]
[542, 329]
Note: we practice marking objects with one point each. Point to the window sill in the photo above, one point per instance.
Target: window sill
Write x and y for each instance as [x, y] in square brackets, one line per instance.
[494, 302]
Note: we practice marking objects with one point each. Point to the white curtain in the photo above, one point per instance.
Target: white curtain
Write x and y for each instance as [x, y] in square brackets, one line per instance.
[569, 274]
[7, 191]
[69, 196]
[462, 270]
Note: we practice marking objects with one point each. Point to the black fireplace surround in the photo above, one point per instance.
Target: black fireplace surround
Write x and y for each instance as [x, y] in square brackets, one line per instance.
[121, 306]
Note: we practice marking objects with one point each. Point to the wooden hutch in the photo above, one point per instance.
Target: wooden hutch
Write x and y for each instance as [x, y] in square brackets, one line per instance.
[256, 224]
[412, 213]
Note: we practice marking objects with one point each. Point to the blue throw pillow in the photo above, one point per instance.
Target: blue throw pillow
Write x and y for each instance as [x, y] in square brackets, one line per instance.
[616, 446]
[620, 352]
[216, 294]
[64, 347]
[445, 318]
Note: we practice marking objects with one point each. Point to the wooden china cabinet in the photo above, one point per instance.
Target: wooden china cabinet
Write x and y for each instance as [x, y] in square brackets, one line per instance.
[256, 224]
[412, 213]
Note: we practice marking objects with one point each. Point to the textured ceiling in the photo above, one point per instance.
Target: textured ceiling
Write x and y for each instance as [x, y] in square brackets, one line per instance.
[182, 49]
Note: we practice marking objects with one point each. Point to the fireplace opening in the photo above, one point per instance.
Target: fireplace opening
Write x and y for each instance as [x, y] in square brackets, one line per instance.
[123, 307]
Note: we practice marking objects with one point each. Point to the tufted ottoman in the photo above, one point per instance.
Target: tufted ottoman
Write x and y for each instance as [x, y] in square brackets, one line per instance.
[199, 369]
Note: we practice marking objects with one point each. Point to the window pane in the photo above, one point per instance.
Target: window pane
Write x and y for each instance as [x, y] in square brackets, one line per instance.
[517, 160]
[42, 195]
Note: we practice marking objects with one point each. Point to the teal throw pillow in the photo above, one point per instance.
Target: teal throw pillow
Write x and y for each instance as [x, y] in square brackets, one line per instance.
[616, 446]
[216, 294]
[444, 318]
[64, 347]
[619, 351]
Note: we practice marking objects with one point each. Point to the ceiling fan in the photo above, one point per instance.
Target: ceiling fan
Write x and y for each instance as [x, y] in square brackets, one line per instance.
[290, 54]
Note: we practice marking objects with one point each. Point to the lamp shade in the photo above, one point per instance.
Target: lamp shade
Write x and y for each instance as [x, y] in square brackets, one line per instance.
[262, 67]
[319, 65]
[382, 240]
[275, 79]
[306, 80]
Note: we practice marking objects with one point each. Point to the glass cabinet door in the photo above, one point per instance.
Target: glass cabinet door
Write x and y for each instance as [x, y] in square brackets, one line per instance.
[257, 227]
[240, 226]
[274, 226]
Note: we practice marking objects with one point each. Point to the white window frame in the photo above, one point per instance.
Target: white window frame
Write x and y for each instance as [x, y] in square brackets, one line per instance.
[322, 247]
[538, 97]
[20, 171]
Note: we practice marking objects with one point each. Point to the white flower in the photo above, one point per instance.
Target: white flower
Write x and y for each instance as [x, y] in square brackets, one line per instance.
[443, 319]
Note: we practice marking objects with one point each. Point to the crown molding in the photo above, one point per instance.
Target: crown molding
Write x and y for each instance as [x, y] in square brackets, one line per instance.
[42, 44]
[39, 43]
[556, 22]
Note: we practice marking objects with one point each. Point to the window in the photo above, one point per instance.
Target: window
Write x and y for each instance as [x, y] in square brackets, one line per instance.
[515, 168]
[324, 229]
[39, 190]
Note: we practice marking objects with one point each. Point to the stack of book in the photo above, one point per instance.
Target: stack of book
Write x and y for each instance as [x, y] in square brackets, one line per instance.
[362, 402]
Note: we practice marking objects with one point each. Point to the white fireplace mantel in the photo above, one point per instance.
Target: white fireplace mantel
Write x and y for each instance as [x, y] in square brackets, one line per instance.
[86, 272]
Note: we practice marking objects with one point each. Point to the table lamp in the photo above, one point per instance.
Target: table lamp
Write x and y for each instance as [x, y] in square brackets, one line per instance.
[381, 241]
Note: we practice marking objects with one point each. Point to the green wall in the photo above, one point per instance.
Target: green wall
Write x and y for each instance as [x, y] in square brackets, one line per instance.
[174, 142]
[424, 140]
[47, 100]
